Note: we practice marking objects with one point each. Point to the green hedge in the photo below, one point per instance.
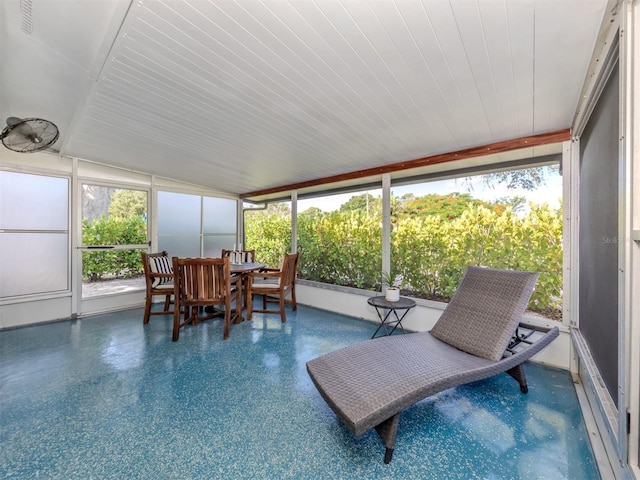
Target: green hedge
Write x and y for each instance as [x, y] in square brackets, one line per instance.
[270, 234]
[433, 253]
[113, 231]
[344, 248]
[340, 247]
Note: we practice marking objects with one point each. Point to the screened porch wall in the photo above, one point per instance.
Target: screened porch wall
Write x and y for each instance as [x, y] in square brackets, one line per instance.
[63, 299]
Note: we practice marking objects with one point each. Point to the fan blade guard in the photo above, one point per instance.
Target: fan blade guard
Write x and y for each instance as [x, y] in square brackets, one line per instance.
[29, 135]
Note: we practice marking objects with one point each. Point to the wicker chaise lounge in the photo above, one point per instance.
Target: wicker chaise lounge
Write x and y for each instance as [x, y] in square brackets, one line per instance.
[477, 336]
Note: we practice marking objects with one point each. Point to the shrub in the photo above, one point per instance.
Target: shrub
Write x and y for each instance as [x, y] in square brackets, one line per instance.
[432, 251]
[113, 231]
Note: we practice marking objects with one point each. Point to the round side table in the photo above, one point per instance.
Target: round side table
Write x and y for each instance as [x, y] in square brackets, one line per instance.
[384, 309]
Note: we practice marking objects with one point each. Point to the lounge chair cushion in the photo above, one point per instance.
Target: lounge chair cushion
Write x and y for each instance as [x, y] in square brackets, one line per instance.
[484, 312]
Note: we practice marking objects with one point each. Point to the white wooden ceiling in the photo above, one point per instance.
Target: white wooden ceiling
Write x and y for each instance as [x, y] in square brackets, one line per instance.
[247, 95]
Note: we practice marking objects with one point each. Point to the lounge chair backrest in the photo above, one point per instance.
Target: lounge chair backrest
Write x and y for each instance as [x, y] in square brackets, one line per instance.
[485, 310]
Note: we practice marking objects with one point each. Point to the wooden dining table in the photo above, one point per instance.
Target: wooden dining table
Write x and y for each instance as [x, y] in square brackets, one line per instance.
[244, 269]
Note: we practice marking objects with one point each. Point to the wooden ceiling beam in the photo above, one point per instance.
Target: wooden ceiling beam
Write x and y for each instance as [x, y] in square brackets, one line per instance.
[490, 149]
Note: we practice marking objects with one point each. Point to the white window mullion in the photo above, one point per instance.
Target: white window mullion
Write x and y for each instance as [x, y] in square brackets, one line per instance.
[386, 222]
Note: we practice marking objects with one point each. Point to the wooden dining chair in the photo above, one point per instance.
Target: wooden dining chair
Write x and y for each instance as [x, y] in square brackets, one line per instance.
[201, 283]
[274, 282]
[159, 278]
[247, 256]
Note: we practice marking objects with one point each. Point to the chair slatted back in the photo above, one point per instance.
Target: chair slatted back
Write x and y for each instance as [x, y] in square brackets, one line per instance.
[289, 270]
[248, 256]
[203, 281]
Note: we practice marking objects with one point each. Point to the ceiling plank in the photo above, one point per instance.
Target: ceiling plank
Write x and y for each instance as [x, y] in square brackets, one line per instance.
[492, 148]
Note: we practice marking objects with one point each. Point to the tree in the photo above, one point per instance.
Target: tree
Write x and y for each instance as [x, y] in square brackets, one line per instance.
[525, 178]
[364, 202]
[311, 211]
[517, 204]
[128, 203]
[95, 201]
[445, 206]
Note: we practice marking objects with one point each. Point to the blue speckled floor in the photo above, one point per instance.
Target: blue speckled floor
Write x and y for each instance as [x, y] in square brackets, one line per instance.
[108, 398]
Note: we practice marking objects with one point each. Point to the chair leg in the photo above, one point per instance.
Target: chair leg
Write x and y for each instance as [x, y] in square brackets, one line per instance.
[517, 373]
[238, 318]
[388, 431]
[293, 298]
[249, 305]
[148, 303]
[176, 321]
[147, 310]
[245, 295]
[283, 317]
[195, 319]
[227, 322]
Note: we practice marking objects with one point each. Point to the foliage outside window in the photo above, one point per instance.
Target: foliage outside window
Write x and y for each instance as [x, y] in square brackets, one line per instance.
[344, 246]
[434, 236]
[113, 216]
[268, 232]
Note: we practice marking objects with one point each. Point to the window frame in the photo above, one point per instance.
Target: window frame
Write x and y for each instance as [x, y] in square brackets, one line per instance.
[68, 232]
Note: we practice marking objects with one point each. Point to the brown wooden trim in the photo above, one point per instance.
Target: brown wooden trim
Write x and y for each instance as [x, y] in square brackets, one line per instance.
[492, 148]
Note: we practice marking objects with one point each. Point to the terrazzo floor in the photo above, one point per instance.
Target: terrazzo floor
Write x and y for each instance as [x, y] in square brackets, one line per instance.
[107, 398]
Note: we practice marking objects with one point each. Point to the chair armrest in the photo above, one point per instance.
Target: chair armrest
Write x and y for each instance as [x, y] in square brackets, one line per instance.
[261, 274]
[237, 279]
[162, 275]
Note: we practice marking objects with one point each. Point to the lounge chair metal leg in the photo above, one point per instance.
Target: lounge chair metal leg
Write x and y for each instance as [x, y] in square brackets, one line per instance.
[388, 453]
[517, 372]
[387, 431]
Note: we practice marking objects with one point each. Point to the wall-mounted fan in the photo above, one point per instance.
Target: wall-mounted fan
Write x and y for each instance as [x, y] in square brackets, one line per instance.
[27, 135]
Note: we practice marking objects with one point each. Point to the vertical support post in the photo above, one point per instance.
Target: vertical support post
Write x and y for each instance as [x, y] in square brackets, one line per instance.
[628, 248]
[570, 247]
[75, 234]
[386, 222]
[294, 221]
[240, 223]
